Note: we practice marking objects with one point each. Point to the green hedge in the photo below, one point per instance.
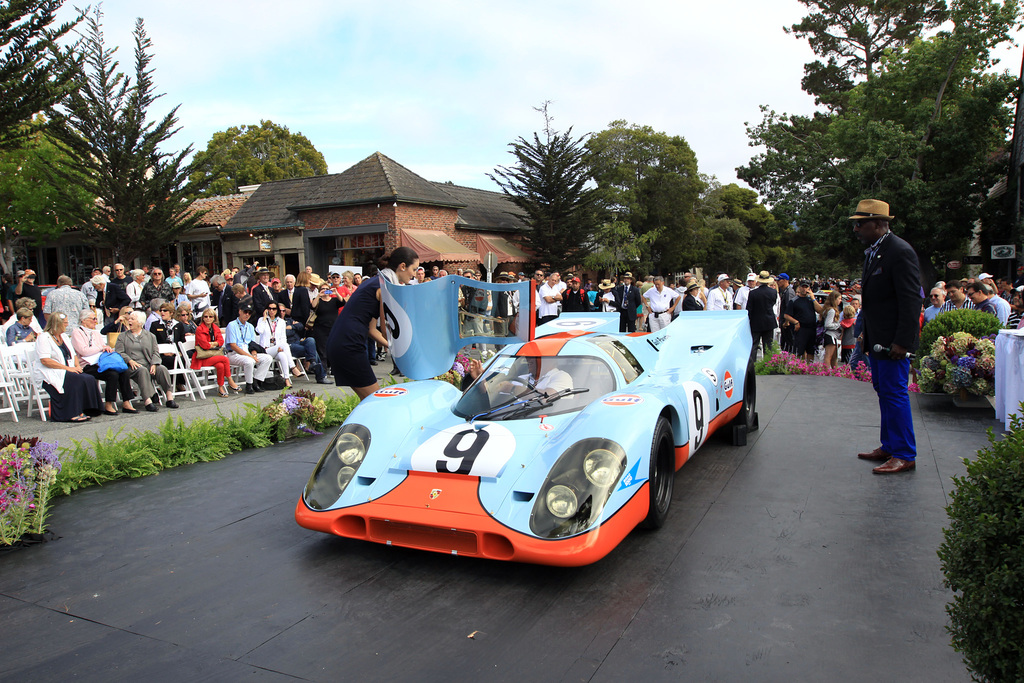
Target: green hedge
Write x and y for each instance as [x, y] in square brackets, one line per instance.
[983, 559]
[977, 323]
[140, 453]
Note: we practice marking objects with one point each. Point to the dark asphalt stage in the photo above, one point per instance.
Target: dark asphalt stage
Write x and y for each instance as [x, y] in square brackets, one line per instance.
[784, 560]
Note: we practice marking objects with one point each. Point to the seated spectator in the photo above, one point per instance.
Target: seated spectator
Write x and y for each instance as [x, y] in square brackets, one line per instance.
[89, 345]
[240, 335]
[118, 324]
[154, 313]
[183, 314]
[22, 329]
[209, 336]
[167, 330]
[271, 335]
[73, 395]
[305, 348]
[19, 304]
[138, 347]
[179, 297]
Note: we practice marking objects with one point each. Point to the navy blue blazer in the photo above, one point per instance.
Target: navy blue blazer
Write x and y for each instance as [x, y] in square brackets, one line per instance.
[891, 296]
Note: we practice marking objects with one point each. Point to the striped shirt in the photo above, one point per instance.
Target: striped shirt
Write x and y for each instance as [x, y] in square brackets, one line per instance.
[950, 306]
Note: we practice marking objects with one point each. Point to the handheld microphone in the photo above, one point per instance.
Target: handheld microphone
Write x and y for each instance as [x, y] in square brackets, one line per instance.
[885, 349]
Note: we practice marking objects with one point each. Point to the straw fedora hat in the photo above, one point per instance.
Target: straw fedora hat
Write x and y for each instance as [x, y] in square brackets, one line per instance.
[871, 208]
[605, 285]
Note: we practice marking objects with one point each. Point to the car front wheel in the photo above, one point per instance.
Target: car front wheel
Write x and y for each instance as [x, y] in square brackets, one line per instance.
[662, 475]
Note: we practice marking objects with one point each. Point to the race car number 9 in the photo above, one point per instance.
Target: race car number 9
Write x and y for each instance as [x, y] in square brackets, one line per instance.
[699, 413]
[464, 450]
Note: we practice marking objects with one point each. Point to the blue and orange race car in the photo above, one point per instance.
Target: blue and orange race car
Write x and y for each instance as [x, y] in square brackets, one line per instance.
[553, 455]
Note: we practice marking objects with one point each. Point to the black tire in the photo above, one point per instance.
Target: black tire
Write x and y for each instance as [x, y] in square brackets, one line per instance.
[747, 416]
[662, 475]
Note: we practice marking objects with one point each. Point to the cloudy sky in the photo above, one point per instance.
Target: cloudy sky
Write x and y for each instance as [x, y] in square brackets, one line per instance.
[442, 87]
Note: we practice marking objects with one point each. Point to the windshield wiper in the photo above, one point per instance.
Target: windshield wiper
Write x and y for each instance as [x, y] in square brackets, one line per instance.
[543, 401]
[514, 401]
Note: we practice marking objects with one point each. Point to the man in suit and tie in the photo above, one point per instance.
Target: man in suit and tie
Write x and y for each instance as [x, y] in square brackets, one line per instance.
[627, 299]
[891, 295]
[261, 294]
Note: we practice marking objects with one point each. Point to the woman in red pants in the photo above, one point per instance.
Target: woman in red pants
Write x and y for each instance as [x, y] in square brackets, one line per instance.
[208, 336]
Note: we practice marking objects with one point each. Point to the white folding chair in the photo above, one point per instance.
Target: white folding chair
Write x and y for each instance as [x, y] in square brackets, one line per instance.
[179, 369]
[38, 394]
[205, 379]
[7, 385]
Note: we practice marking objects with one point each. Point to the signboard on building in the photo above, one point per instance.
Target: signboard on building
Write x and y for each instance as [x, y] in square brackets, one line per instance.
[1004, 251]
[265, 245]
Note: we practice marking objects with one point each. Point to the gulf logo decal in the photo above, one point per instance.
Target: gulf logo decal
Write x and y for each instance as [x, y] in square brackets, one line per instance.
[727, 384]
[391, 391]
[622, 400]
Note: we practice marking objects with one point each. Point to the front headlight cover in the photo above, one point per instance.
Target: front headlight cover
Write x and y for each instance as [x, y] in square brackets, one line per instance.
[577, 488]
[337, 466]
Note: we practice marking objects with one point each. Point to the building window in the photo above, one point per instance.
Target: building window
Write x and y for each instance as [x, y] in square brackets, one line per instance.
[78, 262]
[195, 254]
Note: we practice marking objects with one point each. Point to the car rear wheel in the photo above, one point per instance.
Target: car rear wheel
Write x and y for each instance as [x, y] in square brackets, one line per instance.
[662, 475]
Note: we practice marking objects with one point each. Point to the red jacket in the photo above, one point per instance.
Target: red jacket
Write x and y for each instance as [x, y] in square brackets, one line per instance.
[203, 341]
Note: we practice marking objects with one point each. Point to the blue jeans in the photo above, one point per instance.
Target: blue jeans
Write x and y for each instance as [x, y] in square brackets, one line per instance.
[889, 377]
[307, 349]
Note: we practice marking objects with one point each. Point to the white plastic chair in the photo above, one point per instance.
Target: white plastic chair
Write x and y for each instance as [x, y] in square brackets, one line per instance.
[180, 369]
[205, 378]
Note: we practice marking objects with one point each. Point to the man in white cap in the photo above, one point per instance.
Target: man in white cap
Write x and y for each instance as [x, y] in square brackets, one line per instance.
[720, 297]
[740, 304]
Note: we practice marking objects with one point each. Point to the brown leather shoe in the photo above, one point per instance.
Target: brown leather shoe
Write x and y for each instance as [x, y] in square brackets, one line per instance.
[877, 454]
[895, 466]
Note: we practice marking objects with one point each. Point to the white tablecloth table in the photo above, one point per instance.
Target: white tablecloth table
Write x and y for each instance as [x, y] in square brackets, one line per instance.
[1009, 374]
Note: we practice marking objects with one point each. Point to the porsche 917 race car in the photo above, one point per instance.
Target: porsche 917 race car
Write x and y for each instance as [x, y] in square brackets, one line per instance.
[553, 455]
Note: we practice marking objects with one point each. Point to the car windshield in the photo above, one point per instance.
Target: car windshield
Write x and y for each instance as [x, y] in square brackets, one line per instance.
[518, 387]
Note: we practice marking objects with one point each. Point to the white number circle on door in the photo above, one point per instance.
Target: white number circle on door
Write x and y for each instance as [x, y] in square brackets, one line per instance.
[699, 415]
[461, 449]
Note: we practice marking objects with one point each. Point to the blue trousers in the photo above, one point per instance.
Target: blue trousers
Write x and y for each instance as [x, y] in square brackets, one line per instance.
[306, 348]
[889, 377]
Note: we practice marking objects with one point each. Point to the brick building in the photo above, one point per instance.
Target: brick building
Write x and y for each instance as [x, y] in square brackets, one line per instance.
[354, 217]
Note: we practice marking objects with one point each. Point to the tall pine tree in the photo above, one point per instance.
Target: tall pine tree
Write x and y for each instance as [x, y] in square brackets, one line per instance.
[142, 192]
[548, 184]
[29, 82]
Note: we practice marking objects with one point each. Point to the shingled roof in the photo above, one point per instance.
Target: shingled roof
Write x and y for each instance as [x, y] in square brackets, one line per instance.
[485, 209]
[375, 179]
[268, 207]
[219, 209]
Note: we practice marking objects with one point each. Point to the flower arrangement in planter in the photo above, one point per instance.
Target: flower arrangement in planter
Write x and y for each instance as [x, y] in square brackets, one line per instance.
[28, 468]
[458, 370]
[960, 364]
[294, 412]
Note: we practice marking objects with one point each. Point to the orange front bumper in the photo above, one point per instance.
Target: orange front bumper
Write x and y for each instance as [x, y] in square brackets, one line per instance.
[453, 521]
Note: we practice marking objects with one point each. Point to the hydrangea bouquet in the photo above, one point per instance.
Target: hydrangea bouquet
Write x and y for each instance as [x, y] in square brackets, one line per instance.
[960, 363]
[457, 372]
[296, 411]
[28, 468]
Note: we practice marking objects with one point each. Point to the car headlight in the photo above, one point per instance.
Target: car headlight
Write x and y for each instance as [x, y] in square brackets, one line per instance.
[601, 467]
[337, 466]
[577, 488]
[561, 501]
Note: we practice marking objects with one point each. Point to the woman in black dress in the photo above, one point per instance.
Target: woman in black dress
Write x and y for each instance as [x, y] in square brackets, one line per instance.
[326, 305]
[74, 396]
[346, 347]
[692, 302]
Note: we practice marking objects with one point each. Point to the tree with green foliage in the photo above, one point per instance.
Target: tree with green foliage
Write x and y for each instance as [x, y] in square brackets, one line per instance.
[852, 35]
[120, 154]
[249, 155]
[28, 78]
[548, 184]
[769, 239]
[30, 212]
[649, 179]
[925, 134]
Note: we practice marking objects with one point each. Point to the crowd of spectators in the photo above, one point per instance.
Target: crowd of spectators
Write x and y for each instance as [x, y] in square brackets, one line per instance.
[249, 318]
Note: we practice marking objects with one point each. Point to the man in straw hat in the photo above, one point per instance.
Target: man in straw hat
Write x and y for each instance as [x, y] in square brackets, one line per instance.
[760, 306]
[891, 298]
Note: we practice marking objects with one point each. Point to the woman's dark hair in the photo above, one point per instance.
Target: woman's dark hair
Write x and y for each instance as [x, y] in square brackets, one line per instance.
[402, 255]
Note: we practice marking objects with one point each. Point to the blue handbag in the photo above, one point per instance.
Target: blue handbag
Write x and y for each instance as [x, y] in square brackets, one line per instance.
[111, 360]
